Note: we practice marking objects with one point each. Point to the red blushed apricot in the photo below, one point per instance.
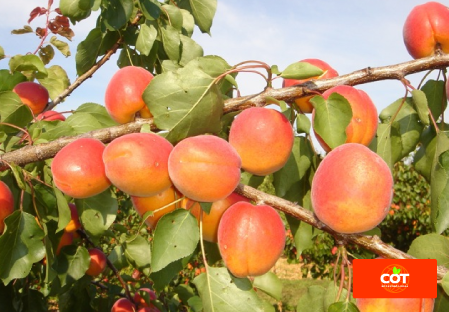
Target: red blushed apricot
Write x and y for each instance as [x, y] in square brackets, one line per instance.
[363, 125]
[6, 204]
[65, 240]
[250, 238]
[50, 116]
[204, 168]
[32, 94]
[123, 305]
[352, 189]
[395, 304]
[426, 29]
[212, 219]
[137, 163]
[78, 168]
[140, 301]
[98, 262]
[123, 99]
[74, 223]
[145, 204]
[304, 102]
[263, 138]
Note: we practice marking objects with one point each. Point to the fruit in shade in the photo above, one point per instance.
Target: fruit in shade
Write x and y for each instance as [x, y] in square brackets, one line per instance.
[6, 204]
[65, 240]
[212, 219]
[204, 168]
[145, 204]
[137, 163]
[426, 29]
[263, 138]
[78, 168]
[123, 305]
[32, 94]
[250, 238]
[352, 189]
[395, 304]
[50, 116]
[74, 223]
[328, 72]
[123, 99]
[97, 263]
[140, 301]
[363, 125]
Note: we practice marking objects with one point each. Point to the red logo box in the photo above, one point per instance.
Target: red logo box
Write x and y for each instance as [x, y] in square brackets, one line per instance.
[394, 278]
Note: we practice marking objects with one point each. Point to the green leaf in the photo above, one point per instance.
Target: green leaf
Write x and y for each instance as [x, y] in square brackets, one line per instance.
[62, 46]
[439, 184]
[76, 10]
[138, 252]
[303, 124]
[331, 293]
[118, 258]
[388, 142]
[186, 102]
[163, 277]
[171, 42]
[343, 307]
[190, 50]
[445, 283]
[431, 246]
[46, 54]
[206, 207]
[117, 13]
[87, 51]
[71, 264]
[220, 291]
[188, 23]
[64, 214]
[270, 284]
[29, 62]
[424, 156]
[99, 112]
[82, 122]
[174, 15]
[313, 300]
[332, 116]
[151, 9]
[436, 100]
[301, 70]
[146, 38]
[420, 101]
[78, 297]
[202, 10]
[12, 111]
[56, 81]
[21, 245]
[396, 270]
[9, 80]
[442, 301]
[25, 30]
[2, 53]
[97, 213]
[176, 236]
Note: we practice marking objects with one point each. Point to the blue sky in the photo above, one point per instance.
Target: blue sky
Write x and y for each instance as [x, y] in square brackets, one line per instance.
[349, 35]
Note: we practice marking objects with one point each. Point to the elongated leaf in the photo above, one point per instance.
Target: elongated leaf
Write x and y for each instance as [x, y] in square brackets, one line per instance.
[76, 10]
[202, 10]
[301, 70]
[56, 81]
[117, 13]
[332, 116]
[302, 124]
[13, 111]
[171, 42]
[176, 236]
[188, 23]
[436, 100]
[82, 122]
[388, 141]
[174, 15]
[151, 9]
[21, 245]
[424, 156]
[220, 291]
[62, 46]
[190, 50]
[420, 101]
[46, 53]
[138, 252]
[146, 38]
[87, 51]
[343, 307]
[445, 283]
[99, 112]
[29, 62]
[270, 284]
[78, 297]
[9, 80]
[71, 264]
[441, 301]
[331, 293]
[431, 246]
[63, 210]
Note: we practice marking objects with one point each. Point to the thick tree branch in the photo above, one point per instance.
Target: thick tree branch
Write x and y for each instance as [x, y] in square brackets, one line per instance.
[371, 243]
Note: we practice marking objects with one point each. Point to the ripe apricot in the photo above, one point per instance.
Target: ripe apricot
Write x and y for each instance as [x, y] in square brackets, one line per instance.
[352, 189]
[50, 116]
[78, 168]
[395, 304]
[363, 125]
[74, 223]
[32, 94]
[304, 102]
[140, 301]
[6, 204]
[212, 219]
[137, 163]
[263, 138]
[145, 204]
[250, 238]
[98, 262]
[123, 305]
[65, 240]
[204, 168]
[426, 29]
[123, 99]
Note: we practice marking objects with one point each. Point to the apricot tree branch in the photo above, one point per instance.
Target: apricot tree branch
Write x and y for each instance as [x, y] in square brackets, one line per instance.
[371, 243]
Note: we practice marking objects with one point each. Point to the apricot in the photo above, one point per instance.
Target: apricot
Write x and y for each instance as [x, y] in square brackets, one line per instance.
[140, 301]
[263, 138]
[250, 238]
[65, 240]
[123, 305]
[6, 204]
[32, 94]
[363, 125]
[204, 168]
[98, 262]
[50, 116]
[212, 219]
[78, 168]
[304, 102]
[137, 163]
[145, 204]
[74, 223]
[395, 304]
[123, 99]
[426, 30]
[352, 189]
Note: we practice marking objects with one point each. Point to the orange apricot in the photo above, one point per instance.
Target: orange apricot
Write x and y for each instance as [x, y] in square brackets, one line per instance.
[32, 94]
[395, 304]
[98, 262]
